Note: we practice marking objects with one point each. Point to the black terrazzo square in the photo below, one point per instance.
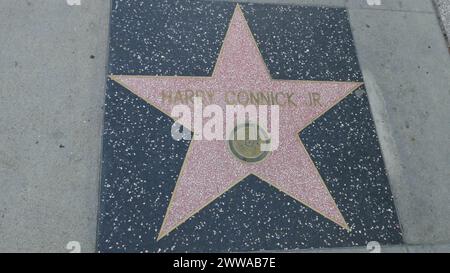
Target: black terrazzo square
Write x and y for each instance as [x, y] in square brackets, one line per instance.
[141, 161]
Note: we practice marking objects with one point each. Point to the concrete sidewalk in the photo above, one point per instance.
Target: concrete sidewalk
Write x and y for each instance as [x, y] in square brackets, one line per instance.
[52, 72]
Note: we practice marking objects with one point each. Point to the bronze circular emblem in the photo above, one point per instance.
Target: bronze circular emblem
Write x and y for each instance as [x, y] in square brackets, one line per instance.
[248, 149]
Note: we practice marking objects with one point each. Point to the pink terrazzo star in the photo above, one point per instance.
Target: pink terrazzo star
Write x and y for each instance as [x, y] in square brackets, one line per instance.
[209, 169]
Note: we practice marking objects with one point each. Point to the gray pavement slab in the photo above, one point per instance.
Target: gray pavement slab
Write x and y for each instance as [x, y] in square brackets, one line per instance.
[51, 98]
[52, 74]
[406, 66]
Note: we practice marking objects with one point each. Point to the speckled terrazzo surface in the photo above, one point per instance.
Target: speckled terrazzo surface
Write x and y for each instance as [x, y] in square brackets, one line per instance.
[141, 161]
[443, 8]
